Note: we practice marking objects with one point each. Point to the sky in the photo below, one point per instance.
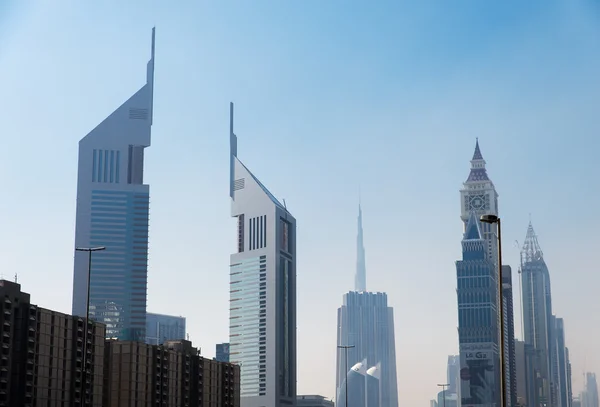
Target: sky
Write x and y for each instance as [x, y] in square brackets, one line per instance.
[330, 96]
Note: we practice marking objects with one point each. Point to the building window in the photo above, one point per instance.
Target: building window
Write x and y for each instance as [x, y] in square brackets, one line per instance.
[286, 241]
[240, 233]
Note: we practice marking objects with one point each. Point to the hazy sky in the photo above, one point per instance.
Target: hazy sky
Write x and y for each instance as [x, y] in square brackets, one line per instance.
[329, 95]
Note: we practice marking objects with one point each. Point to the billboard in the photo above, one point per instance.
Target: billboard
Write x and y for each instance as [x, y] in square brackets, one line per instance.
[478, 373]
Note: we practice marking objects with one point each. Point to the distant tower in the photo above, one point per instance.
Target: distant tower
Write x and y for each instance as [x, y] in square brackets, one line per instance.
[537, 319]
[367, 322]
[113, 211]
[360, 281]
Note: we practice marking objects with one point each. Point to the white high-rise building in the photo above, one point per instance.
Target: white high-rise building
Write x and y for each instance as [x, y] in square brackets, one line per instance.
[262, 332]
[112, 211]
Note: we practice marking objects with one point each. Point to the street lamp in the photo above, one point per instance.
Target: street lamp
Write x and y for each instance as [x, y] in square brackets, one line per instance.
[89, 250]
[493, 219]
[443, 386]
[346, 347]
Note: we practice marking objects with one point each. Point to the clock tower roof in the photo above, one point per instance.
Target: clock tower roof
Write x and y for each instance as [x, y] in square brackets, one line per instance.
[478, 171]
[477, 154]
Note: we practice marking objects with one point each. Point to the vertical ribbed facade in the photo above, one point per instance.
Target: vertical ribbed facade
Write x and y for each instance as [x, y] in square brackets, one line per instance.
[113, 211]
[367, 322]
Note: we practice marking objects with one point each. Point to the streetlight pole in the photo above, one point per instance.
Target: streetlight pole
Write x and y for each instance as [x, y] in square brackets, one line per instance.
[493, 219]
[89, 250]
[346, 347]
[443, 386]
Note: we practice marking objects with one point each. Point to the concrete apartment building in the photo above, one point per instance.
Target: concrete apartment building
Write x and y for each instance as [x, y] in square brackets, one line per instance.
[138, 374]
[42, 353]
[41, 364]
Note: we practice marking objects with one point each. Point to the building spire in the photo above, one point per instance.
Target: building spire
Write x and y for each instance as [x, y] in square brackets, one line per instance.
[360, 280]
[531, 250]
[150, 73]
[477, 154]
[478, 172]
[232, 150]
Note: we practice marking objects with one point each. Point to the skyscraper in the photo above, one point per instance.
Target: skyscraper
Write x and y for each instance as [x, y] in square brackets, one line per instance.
[262, 331]
[569, 379]
[366, 322]
[537, 319]
[562, 358]
[589, 396]
[222, 352]
[161, 328]
[112, 211]
[509, 336]
[453, 374]
[478, 324]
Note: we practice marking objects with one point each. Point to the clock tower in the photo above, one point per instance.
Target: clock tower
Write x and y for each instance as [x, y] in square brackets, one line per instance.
[479, 196]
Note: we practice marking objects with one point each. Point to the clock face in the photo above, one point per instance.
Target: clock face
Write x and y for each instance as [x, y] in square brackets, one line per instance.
[477, 202]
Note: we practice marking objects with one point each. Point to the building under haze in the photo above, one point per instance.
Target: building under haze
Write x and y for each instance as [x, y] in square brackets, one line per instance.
[537, 322]
[589, 396]
[262, 331]
[562, 374]
[112, 211]
[453, 374]
[366, 322]
[161, 328]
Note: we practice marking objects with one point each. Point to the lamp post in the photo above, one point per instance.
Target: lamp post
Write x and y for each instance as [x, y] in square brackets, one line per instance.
[493, 219]
[443, 386]
[346, 347]
[89, 250]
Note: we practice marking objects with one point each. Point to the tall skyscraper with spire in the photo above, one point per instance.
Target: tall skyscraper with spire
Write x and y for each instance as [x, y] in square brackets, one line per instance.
[360, 281]
[479, 197]
[366, 322]
[538, 321]
[112, 211]
[262, 330]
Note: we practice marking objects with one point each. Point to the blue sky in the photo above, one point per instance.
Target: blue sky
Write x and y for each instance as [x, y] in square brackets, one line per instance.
[329, 95]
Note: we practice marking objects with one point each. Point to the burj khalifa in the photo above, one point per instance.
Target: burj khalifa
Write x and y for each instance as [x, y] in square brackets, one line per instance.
[366, 323]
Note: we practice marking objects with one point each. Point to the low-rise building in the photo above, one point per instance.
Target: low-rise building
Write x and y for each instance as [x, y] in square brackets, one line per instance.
[41, 355]
[172, 374]
[312, 400]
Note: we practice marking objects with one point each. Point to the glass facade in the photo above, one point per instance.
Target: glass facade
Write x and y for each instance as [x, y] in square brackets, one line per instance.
[366, 322]
[247, 328]
[119, 221]
[161, 328]
[477, 296]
